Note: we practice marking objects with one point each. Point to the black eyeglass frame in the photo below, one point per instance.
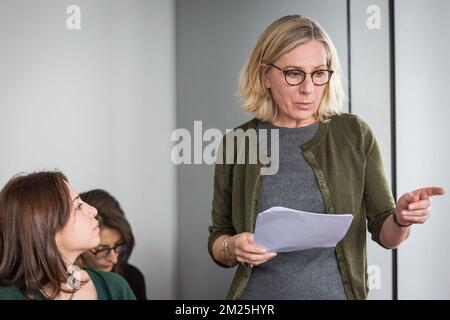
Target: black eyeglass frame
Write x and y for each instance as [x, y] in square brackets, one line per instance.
[96, 251]
[285, 72]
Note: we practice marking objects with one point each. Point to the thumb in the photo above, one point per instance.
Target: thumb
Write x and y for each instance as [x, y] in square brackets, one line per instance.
[410, 197]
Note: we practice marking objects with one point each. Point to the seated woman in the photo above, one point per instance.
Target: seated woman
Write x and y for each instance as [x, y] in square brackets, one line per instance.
[116, 241]
[44, 228]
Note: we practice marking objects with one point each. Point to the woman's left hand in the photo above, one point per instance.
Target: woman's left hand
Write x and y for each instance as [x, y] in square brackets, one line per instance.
[414, 207]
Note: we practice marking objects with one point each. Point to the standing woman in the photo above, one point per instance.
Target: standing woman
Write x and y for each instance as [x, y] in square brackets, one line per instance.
[329, 162]
[44, 228]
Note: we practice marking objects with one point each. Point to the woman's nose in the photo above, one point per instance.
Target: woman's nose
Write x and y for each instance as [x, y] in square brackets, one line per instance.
[307, 86]
[113, 256]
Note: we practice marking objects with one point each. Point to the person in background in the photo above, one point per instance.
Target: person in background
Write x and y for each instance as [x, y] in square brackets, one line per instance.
[116, 241]
[44, 228]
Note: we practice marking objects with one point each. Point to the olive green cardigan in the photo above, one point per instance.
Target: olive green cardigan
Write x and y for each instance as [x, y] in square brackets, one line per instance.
[347, 163]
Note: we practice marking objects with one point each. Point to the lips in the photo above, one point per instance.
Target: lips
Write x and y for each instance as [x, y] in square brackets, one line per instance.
[96, 227]
[303, 105]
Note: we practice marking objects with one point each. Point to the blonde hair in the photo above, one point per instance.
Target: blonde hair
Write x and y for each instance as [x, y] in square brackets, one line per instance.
[279, 38]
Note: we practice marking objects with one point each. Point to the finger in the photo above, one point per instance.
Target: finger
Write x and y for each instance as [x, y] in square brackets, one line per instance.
[244, 243]
[424, 193]
[261, 257]
[241, 259]
[422, 204]
[253, 247]
[263, 261]
[246, 248]
[415, 213]
[417, 220]
[255, 259]
[245, 256]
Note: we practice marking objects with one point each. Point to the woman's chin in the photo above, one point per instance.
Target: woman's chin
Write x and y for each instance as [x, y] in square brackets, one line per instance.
[297, 114]
[303, 115]
[108, 269]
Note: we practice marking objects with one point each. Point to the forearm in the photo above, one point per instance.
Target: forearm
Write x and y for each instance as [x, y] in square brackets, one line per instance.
[391, 235]
[221, 251]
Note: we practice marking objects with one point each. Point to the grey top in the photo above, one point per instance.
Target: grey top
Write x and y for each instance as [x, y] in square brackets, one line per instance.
[308, 274]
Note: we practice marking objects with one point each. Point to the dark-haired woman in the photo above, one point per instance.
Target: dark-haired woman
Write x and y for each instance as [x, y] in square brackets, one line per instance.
[116, 241]
[44, 228]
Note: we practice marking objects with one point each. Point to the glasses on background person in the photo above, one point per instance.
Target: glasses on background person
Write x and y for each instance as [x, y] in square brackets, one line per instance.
[104, 251]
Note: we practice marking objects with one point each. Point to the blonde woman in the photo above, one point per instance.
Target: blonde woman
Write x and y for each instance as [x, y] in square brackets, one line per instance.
[329, 162]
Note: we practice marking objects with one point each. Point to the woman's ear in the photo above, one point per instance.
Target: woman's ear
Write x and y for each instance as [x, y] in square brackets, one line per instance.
[264, 77]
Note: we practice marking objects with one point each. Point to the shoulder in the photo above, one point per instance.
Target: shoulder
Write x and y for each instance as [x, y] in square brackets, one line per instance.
[117, 286]
[346, 120]
[251, 124]
[349, 124]
[136, 280]
[111, 278]
[11, 292]
[235, 134]
[132, 272]
[340, 121]
[354, 130]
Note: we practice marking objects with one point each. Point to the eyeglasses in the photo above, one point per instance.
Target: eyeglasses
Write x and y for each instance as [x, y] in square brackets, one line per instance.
[295, 77]
[103, 252]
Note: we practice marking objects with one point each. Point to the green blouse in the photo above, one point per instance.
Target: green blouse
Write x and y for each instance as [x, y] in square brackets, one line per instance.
[109, 285]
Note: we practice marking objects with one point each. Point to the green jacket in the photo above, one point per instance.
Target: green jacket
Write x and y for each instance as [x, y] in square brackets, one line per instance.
[347, 163]
[109, 285]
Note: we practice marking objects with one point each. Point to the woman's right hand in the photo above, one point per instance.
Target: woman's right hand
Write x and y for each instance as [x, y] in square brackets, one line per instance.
[246, 251]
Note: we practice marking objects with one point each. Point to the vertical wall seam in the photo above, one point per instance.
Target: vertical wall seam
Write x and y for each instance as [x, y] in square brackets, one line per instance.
[393, 136]
[349, 53]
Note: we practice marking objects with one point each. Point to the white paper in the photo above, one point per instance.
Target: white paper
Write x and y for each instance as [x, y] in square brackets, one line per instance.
[282, 229]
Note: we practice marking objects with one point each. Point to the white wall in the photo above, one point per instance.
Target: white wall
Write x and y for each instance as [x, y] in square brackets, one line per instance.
[97, 103]
[423, 155]
[370, 95]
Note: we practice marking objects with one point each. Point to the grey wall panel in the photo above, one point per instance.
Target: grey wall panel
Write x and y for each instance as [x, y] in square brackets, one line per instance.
[423, 155]
[370, 99]
[214, 39]
[94, 103]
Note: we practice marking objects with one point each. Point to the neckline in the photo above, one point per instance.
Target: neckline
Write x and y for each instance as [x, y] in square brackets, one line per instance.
[315, 140]
[92, 274]
[270, 125]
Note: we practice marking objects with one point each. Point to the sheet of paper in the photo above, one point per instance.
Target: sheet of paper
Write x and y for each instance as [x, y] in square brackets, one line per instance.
[282, 229]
